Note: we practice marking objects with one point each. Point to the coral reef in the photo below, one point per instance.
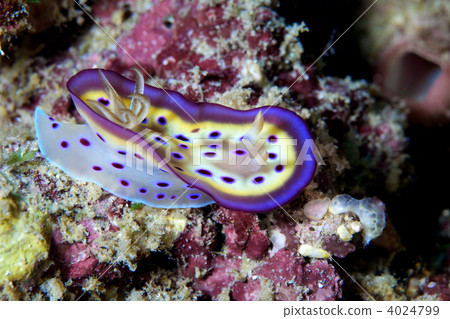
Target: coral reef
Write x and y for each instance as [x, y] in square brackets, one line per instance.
[13, 19]
[245, 269]
[28, 27]
[24, 242]
[91, 245]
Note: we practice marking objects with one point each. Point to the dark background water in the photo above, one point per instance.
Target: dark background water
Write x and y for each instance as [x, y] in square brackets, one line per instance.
[415, 209]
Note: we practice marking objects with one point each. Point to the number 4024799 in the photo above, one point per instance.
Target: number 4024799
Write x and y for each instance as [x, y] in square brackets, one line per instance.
[414, 310]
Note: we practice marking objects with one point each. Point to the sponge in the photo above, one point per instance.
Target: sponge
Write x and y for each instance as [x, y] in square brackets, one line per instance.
[370, 211]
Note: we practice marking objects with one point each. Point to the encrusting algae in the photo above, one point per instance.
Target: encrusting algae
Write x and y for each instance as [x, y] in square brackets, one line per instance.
[24, 241]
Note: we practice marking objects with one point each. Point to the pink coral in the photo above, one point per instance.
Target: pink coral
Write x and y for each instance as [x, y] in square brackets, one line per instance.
[76, 260]
[162, 41]
[288, 228]
[438, 285]
[337, 247]
[249, 290]
[195, 245]
[284, 276]
[243, 233]
[322, 281]
[220, 278]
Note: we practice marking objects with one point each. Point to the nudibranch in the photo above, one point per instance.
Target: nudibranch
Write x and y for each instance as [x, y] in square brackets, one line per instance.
[154, 146]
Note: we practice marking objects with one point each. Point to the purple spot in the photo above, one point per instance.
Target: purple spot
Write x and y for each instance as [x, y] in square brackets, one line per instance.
[143, 190]
[138, 156]
[160, 140]
[162, 184]
[145, 121]
[163, 170]
[55, 125]
[173, 196]
[85, 142]
[272, 139]
[104, 101]
[227, 179]
[124, 183]
[213, 146]
[204, 172]
[117, 165]
[209, 154]
[195, 130]
[194, 196]
[279, 168]
[100, 137]
[64, 144]
[240, 152]
[97, 168]
[179, 168]
[182, 138]
[177, 155]
[214, 134]
[51, 118]
[160, 196]
[162, 120]
[272, 156]
[183, 146]
[258, 180]
[122, 152]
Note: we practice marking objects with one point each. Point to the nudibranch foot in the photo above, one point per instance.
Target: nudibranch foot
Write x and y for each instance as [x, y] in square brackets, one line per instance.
[78, 151]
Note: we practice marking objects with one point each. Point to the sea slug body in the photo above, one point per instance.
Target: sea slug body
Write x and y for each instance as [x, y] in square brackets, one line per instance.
[156, 147]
